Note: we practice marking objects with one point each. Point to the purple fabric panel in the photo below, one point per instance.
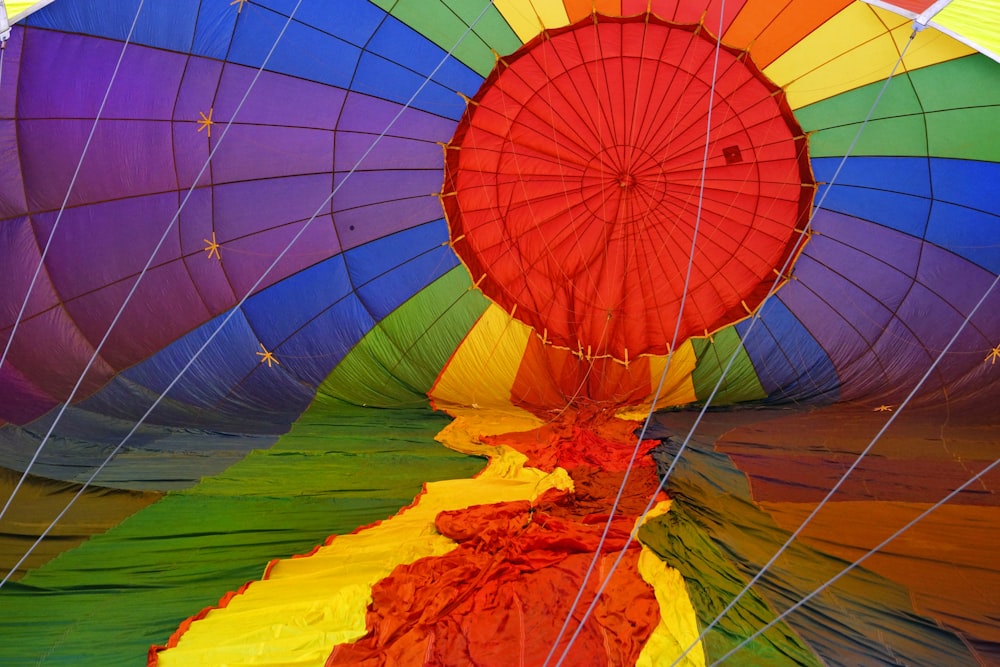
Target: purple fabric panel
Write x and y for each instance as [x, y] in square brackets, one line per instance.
[102, 243]
[246, 258]
[125, 158]
[901, 302]
[245, 208]
[77, 69]
[276, 99]
[165, 306]
[961, 283]
[251, 152]
[858, 309]
[833, 333]
[896, 248]
[372, 115]
[207, 273]
[50, 349]
[20, 400]
[12, 201]
[361, 225]
[388, 153]
[11, 72]
[850, 280]
[890, 369]
[190, 148]
[387, 201]
[18, 262]
[877, 276]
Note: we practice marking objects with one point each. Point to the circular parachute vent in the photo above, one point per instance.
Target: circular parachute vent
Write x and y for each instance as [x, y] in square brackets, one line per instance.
[579, 181]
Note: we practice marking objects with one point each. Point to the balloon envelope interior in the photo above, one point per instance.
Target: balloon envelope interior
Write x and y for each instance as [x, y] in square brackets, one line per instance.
[260, 262]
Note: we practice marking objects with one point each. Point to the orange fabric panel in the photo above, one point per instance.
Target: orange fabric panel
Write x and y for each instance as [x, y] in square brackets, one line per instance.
[686, 11]
[769, 29]
[577, 9]
[551, 376]
[502, 595]
[573, 438]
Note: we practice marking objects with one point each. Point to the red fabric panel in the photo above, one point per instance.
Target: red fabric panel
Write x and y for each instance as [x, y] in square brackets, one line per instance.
[501, 596]
[915, 6]
[573, 182]
[550, 376]
[574, 437]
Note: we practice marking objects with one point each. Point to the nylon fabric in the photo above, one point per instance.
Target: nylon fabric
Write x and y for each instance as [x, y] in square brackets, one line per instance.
[507, 556]
[100, 603]
[323, 595]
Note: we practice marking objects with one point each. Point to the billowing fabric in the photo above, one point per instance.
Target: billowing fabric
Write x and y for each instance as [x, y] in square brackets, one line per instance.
[473, 605]
[300, 242]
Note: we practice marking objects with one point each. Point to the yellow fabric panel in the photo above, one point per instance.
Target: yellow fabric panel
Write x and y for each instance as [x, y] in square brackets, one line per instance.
[528, 17]
[306, 605]
[678, 627]
[482, 370]
[16, 7]
[977, 21]
[678, 388]
[851, 50]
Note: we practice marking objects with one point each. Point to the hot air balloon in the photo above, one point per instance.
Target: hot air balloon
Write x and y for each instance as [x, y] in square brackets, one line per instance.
[499, 332]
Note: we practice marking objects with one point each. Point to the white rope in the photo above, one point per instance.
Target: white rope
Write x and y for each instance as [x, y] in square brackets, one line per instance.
[45, 252]
[861, 456]
[899, 532]
[260, 280]
[660, 385]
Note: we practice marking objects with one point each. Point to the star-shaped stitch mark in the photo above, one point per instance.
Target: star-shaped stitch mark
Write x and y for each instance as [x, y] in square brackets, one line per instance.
[267, 357]
[883, 408]
[206, 122]
[212, 248]
[993, 356]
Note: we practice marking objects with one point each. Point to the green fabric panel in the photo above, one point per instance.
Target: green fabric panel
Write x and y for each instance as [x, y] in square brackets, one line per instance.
[950, 110]
[718, 538]
[740, 383]
[677, 539]
[969, 134]
[105, 602]
[445, 21]
[397, 362]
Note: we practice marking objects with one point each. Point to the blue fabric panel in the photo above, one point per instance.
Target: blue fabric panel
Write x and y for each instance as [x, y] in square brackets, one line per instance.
[968, 233]
[314, 350]
[354, 21]
[216, 23]
[280, 310]
[790, 363]
[967, 183]
[381, 78]
[214, 373]
[166, 25]
[897, 174]
[399, 43]
[879, 190]
[303, 51]
[333, 55]
[378, 257]
[390, 271]
[382, 295]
